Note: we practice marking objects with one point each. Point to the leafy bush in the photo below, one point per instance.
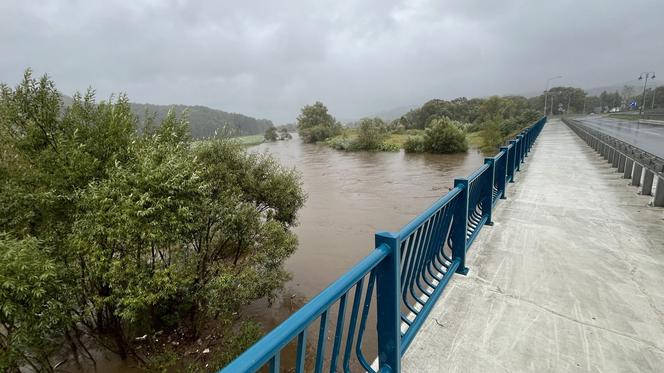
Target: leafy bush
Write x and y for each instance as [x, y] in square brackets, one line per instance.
[371, 134]
[271, 134]
[445, 136]
[415, 144]
[105, 231]
[316, 124]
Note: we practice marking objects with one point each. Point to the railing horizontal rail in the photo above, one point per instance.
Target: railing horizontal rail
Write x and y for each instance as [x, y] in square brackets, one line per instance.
[409, 269]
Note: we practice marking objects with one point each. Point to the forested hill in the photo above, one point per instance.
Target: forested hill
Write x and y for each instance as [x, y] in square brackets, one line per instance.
[203, 120]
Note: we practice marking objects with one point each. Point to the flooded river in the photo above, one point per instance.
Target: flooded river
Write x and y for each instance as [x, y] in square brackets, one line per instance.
[351, 195]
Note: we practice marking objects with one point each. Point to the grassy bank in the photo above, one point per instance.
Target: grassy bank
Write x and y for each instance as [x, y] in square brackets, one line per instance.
[250, 140]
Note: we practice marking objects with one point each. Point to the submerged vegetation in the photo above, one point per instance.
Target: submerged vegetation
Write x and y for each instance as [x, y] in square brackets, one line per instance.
[439, 126]
[108, 235]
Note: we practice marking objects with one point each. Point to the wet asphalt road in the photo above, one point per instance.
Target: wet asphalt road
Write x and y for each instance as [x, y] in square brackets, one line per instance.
[645, 136]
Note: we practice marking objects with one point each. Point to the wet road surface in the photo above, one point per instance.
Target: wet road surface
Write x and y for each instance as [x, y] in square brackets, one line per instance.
[645, 136]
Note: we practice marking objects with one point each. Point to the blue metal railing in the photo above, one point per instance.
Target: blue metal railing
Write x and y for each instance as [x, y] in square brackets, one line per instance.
[409, 270]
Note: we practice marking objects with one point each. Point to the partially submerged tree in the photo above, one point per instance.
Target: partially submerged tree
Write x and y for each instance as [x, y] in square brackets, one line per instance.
[315, 124]
[105, 232]
[271, 134]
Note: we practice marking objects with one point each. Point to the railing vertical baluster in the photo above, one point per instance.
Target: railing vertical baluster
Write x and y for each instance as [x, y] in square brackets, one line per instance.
[275, 362]
[322, 336]
[459, 226]
[489, 189]
[388, 304]
[338, 334]
[301, 351]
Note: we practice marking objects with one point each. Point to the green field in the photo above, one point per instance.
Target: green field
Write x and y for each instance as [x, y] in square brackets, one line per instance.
[250, 140]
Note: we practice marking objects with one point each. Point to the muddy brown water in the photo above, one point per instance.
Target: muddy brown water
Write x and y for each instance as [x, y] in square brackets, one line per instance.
[351, 195]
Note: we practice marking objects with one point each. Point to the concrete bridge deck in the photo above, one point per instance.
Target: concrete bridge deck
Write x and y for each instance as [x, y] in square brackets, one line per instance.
[570, 278]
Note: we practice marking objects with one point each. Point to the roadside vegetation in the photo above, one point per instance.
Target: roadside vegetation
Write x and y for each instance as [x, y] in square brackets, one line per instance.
[134, 242]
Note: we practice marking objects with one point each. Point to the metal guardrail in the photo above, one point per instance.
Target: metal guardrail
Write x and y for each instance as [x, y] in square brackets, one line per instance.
[409, 270]
[634, 163]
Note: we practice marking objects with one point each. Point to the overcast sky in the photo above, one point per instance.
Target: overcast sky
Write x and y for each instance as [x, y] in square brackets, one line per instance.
[269, 58]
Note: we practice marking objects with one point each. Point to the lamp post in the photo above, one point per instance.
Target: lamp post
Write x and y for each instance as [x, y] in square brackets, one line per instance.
[546, 92]
[647, 74]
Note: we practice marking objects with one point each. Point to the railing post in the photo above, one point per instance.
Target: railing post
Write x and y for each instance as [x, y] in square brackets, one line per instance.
[489, 188]
[503, 178]
[460, 226]
[648, 177]
[628, 168]
[659, 193]
[388, 285]
[636, 174]
[514, 165]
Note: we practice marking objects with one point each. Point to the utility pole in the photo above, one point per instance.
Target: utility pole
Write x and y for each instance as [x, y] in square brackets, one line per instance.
[553, 97]
[647, 74]
[546, 92]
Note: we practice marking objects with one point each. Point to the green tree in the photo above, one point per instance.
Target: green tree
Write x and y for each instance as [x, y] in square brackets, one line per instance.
[445, 136]
[130, 232]
[271, 134]
[371, 134]
[315, 124]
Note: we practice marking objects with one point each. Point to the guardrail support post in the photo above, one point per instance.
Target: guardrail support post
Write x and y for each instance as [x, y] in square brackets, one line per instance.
[515, 159]
[460, 226]
[492, 170]
[648, 178]
[628, 168]
[612, 154]
[616, 159]
[502, 182]
[621, 163]
[659, 193]
[388, 305]
[636, 175]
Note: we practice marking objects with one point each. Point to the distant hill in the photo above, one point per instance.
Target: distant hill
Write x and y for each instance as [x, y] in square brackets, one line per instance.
[203, 121]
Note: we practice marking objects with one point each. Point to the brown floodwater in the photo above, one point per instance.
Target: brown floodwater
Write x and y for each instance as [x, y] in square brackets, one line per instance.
[351, 195]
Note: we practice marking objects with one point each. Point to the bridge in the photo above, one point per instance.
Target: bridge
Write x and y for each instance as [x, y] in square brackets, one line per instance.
[543, 259]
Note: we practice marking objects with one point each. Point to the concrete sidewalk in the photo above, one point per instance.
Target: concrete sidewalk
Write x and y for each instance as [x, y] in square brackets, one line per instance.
[570, 278]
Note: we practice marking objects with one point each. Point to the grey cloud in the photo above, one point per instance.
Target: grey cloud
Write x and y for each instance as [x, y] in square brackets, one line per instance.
[268, 58]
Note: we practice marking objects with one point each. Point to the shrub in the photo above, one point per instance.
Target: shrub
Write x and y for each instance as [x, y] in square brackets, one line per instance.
[445, 136]
[316, 124]
[414, 144]
[371, 134]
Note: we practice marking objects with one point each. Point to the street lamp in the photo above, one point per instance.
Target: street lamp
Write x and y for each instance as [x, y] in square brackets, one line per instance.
[647, 74]
[546, 92]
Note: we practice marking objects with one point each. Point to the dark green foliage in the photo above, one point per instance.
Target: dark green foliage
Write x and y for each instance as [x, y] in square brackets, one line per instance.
[316, 124]
[106, 232]
[445, 136]
[271, 134]
[35, 308]
[442, 135]
[497, 129]
[414, 144]
[460, 109]
[371, 132]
